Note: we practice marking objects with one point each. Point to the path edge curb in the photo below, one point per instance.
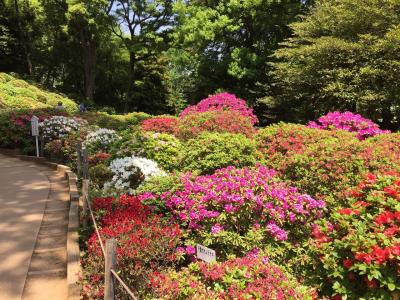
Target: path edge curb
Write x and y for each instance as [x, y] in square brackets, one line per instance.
[73, 251]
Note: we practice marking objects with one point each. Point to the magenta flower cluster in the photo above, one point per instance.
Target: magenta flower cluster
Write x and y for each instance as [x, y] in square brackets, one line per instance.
[349, 122]
[239, 199]
[222, 101]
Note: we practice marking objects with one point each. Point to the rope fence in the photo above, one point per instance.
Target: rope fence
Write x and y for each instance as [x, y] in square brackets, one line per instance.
[109, 250]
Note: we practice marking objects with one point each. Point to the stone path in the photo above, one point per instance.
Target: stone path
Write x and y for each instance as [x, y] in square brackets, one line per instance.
[34, 204]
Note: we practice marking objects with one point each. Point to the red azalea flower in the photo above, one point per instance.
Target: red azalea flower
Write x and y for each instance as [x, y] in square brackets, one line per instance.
[371, 178]
[384, 218]
[351, 276]
[373, 284]
[364, 257]
[390, 191]
[347, 263]
[348, 211]
[336, 297]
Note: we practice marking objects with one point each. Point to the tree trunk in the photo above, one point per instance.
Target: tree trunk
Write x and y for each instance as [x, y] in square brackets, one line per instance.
[89, 62]
[387, 117]
[131, 83]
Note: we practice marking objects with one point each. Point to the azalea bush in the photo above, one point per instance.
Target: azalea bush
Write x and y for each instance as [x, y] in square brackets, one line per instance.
[211, 151]
[100, 140]
[240, 278]
[359, 246]
[145, 244]
[222, 101]
[192, 125]
[163, 148]
[160, 124]
[58, 127]
[130, 172]
[383, 152]
[237, 210]
[349, 122]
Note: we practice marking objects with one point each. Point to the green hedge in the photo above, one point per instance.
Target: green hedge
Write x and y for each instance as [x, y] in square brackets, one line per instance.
[18, 94]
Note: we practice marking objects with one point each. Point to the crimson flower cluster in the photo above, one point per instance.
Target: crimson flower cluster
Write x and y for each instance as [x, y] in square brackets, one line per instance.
[222, 101]
[349, 122]
[160, 124]
[145, 243]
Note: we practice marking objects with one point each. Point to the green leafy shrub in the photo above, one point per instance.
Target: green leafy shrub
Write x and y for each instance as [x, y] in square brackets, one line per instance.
[99, 175]
[163, 148]
[211, 151]
[18, 94]
[116, 122]
[192, 125]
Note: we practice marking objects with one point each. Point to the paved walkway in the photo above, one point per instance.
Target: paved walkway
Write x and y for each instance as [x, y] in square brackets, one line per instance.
[33, 225]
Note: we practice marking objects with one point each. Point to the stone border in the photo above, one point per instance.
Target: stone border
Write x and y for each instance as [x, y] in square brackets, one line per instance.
[73, 252]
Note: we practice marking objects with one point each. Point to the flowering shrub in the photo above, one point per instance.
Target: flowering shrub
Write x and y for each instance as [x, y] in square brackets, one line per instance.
[211, 151]
[222, 101]
[100, 140]
[163, 148]
[383, 152]
[318, 162]
[240, 278]
[130, 172]
[58, 127]
[145, 244]
[280, 141]
[15, 128]
[98, 158]
[160, 124]
[234, 205]
[349, 122]
[192, 125]
[360, 253]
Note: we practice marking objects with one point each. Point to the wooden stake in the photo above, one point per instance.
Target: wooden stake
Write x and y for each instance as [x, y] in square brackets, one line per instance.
[111, 263]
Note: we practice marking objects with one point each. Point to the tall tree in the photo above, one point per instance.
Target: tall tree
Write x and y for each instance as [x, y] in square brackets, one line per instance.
[345, 55]
[232, 41]
[142, 26]
[88, 21]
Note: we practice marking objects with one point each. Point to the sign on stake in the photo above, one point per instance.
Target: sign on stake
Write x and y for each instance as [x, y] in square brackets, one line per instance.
[35, 132]
[205, 254]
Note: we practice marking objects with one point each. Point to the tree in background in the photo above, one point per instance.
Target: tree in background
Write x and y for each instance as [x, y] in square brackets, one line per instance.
[229, 42]
[142, 26]
[345, 55]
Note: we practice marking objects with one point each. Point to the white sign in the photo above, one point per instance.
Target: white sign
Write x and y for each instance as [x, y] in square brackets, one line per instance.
[35, 126]
[206, 254]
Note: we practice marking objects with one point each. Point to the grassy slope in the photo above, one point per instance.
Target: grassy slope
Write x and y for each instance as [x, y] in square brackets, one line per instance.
[18, 94]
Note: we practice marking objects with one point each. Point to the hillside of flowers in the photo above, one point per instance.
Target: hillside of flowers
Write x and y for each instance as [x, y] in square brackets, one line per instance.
[293, 211]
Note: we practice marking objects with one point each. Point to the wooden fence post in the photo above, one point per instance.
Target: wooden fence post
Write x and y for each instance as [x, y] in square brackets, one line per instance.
[111, 263]
[85, 196]
[79, 159]
[85, 163]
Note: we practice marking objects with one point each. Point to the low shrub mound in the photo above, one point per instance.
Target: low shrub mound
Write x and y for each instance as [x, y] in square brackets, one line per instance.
[349, 122]
[163, 148]
[145, 244]
[16, 94]
[359, 247]
[192, 125]
[100, 140]
[240, 278]
[116, 122]
[238, 210]
[58, 127]
[220, 102]
[212, 151]
[162, 124]
[130, 172]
